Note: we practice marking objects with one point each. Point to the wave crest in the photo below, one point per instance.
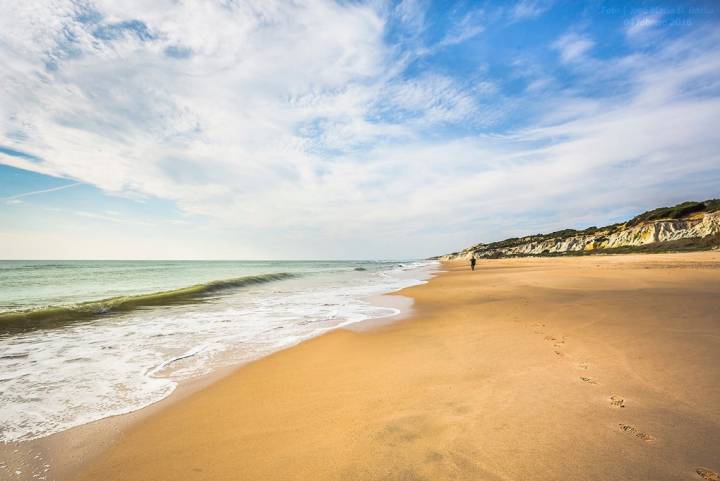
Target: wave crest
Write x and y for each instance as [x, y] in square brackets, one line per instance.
[52, 316]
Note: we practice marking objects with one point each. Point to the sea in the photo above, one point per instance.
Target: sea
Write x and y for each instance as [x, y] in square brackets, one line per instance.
[85, 340]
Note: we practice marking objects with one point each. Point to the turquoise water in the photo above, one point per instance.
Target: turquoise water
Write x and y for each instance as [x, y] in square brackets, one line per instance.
[83, 340]
[32, 284]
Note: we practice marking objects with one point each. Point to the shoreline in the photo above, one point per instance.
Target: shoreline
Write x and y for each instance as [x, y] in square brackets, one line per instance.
[60, 455]
[586, 368]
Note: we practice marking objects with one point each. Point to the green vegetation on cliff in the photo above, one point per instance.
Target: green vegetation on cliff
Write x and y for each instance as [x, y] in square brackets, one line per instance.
[679, 211]
[630, 236]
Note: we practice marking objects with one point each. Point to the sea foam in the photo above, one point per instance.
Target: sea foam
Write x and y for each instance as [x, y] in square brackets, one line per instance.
[78, 372]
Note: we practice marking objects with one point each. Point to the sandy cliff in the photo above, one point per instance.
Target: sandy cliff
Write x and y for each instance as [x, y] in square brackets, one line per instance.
[687, 226]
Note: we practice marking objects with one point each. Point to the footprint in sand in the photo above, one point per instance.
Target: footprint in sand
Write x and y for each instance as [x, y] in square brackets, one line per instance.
[405, 429]
[557, 343]
[583, 365]
[707, 474]
[617, 402]
[626, 428]
[538, 324]
[587, 380]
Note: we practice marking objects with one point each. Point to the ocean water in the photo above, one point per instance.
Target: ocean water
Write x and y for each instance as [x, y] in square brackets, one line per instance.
[84, 340]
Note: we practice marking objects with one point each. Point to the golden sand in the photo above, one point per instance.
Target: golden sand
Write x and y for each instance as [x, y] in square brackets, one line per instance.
[593, 368]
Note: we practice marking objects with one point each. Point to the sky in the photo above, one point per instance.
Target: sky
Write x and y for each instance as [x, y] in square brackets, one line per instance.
[228, 129]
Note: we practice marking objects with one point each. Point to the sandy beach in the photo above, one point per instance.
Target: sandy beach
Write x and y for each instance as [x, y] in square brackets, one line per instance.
[238, 240]
[592, 368]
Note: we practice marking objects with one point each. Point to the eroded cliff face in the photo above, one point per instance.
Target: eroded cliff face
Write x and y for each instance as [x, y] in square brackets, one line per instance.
[699, 225]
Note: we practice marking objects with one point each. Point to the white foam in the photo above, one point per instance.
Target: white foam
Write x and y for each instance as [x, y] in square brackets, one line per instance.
[52, 380]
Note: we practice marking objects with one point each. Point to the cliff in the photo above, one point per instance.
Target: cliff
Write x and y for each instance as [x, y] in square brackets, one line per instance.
[686, 226]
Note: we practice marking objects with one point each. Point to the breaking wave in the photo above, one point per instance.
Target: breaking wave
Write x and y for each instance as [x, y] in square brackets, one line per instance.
[52, 316]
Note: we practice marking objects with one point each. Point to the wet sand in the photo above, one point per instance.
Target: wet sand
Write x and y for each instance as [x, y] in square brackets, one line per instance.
[593, 368]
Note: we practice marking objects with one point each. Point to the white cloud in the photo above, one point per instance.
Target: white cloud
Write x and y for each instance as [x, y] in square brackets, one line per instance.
[572, 46]
[642, 24]
[470, 26]
[121, 115]
[412, 14]
[295, 122]
[525, 9]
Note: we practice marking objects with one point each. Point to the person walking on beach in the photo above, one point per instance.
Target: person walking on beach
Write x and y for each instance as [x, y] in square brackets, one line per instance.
[472, 263]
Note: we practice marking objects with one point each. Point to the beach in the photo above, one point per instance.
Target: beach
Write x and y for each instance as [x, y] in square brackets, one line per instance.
[593, 368]
[267, 240]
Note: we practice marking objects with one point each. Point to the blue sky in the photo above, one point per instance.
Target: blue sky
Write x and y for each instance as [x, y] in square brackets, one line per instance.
[245, 130]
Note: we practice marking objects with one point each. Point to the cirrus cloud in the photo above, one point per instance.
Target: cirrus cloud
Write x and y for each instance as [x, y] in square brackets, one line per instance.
[308, 118]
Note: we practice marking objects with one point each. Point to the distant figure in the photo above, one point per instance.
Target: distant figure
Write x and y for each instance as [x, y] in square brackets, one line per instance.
[472, 263]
